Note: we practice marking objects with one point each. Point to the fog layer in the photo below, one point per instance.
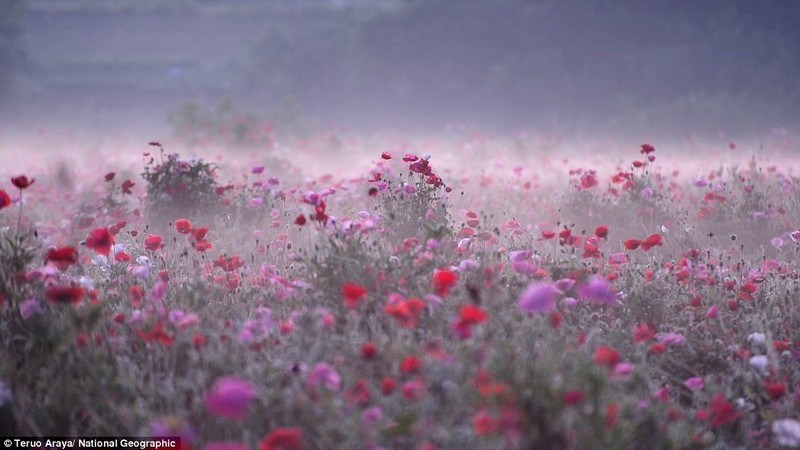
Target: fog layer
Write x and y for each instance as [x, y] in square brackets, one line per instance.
[600, 67]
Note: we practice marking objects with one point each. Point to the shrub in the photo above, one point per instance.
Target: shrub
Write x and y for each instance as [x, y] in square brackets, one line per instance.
[178, 188]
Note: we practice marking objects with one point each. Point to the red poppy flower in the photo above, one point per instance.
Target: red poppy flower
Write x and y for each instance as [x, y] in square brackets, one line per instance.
[319, 212]
[483, 423]
[647, 149]
[469, 316]
[631, 244]
[115, 229]
[722, 411]
[202, 246]
[774, 390]
[443, 280]
[656, 348]
[199, 233]
[555, 319]
[153, 242]
[368, 350]
[387, 385]
[126, 187]
[405, 311]
[64, 294]
[5, 200]
[410, 364]
[110, 176]
[588, 180]
[63, 257]
[601, 231]
[651, 241]
[282, 439]
[610, 420]
[198, 340]
[300, 220]
[748, 288]
[572, 397]
[642, 332]
[22, 181]
[358, 393]
[100, 240]
[352, 293]
[547, 234]
[155, 333]
[605, 356]
[183, 226]
[229, 264]
[386, 155]
[591, 247]
[135, 295]
[780, 346]
[472, 314]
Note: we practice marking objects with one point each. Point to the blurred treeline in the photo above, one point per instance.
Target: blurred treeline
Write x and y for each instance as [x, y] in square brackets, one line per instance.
[11, 53]
[499, 64]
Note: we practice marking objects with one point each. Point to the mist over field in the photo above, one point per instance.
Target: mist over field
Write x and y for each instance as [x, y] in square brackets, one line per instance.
[401, 224]
[596, 69]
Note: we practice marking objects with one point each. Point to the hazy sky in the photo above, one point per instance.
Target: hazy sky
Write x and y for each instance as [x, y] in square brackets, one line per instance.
[576, 66]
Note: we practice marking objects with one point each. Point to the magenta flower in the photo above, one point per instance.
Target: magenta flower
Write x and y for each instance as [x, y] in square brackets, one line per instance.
[597, 291]
[371, 415]
[622, 370]
[523, 267]
[229, 397]
[670, 338]
[29, 307]
[565, 284]
[694, 383]
[538, 298]
[519, 255]
[324, 373]
[618, 258]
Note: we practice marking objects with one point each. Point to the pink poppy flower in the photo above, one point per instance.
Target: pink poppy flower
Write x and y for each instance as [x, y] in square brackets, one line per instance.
[230, 397]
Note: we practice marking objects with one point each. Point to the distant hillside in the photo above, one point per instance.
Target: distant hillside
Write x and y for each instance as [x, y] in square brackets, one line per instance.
[588, 65]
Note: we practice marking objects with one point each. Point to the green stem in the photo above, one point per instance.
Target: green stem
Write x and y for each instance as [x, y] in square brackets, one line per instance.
[19, 217]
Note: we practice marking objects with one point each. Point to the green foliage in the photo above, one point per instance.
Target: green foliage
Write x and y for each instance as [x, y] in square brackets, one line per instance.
[17, 252]
[421, 212]
[515, 379]
[178, 188]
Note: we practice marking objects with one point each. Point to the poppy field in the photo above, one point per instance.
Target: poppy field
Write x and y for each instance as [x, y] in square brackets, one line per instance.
[409, 294]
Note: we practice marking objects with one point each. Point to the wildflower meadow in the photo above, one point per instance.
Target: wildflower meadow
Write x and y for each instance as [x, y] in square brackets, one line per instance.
[397, 292]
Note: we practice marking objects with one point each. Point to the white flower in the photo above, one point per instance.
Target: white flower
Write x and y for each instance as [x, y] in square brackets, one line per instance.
[786, 432]
[86, 282]
[757, 338]
[760, 362]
